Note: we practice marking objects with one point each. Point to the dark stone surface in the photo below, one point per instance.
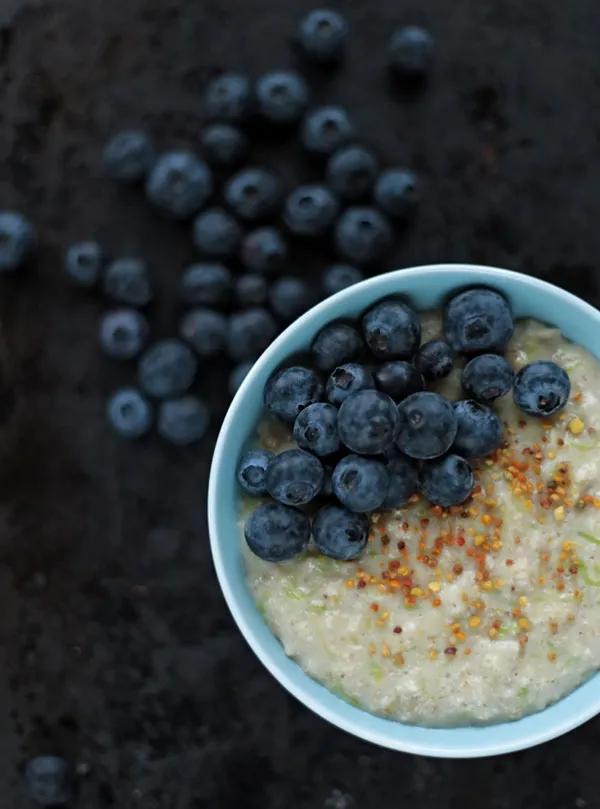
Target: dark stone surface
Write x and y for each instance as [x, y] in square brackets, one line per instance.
[117, 650]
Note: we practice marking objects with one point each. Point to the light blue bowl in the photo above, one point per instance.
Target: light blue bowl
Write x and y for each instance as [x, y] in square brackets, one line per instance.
[426, 287]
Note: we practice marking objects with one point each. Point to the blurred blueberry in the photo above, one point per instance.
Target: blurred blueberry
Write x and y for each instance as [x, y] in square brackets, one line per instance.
[17, 239]
[290, 297]
[251, 290]
[124, 333]
[183, 421]
[228, 97]
[237, 376]
[127, 280]
[129, 155]
[340, 276]
[253, 193]
[216, 233]
[47, 780]
[249, 333]
[363, 235]
[325, 129]
[179, 184]
[282, 96]
[310, 210]
[84, 262]
[167, 369]
[205, 331]
[322, 35]
[129, 413]
[264, 250]
[351, 171]
[223, 146]
[410, 51]
[210, 284]
[397, 192]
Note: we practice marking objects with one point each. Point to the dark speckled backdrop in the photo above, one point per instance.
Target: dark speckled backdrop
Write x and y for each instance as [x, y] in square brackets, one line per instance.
[117, 650]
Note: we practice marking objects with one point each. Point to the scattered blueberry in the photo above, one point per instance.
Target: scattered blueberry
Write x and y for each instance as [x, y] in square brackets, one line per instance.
[392, 330]
[216, 233]
[17, 238]
[339, 533]
[404, 482]
[229, 98]
[129, 155]
[294, 477]
[237, 376]
[167, 369]
[289, 390]
[346, 379]
[207, 284]
[322, 35]
[541, 388]
[129, 413]
[253, 193]
[290, 297]
[264, 250]
[340, 276]
[479, 429]
[411, 51]
[398, 379]
[249, 333]
[434, 359]
[251, 290]
[315, 429]
[397, 192]
[360, 484]
[478, 321]
[310, 210]
[47, 780]
[351, 171]
[487, 377]
[124, 333]
[127, 280]
[363, 235]
[448, 481]
[277, 533]
[84, 262]
[223, 146]
[179, 184]
[428, 425]
[325, 129]
[205, 330]
[282, 96]
[252, 471]
[337, 343]
[183, 421]
[368, 422]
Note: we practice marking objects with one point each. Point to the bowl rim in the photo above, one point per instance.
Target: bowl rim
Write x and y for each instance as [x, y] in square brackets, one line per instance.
[454, 742]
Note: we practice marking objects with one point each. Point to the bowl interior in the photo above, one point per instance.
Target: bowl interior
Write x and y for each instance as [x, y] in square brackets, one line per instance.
[426, 287]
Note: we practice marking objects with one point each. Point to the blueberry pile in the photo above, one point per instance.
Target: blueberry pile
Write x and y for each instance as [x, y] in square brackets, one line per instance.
[369, 433]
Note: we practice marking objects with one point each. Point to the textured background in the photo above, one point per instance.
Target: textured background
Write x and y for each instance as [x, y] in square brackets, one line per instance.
[117, 651]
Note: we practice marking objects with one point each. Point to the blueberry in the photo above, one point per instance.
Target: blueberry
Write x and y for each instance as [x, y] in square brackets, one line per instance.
[124, 333]
[487, 377]
[448, 481]
[397, 192]
[346, 379]
[205, 330]
[47, 780]
[360, 484]
[208, 284]
[335, 344]
[403, 482]
[249, 333]
[310, 210]
[398, 379]
[167, 369]
[179, 184]
[289, 390]
[428, 425]
[282, 97]
[340, 276]
[368, 422]
[253, 193]
[84, 262]
[478, 321]
[325, 129]
[251, 290]
[129, 413]
[294, 477]
[362, 235]
[340, 533]
[479, 429]
[392, 330]
[216, 233]
[264, 250]
[290, 297]
[541, 388]
[127, 280]
[129, 155]
[315, 429]
[252, 471]
[351, 171]
[277, 533]
[322, 35]
[183, 421]
[223, 146]
[237, 376]
[229, 98]
[434, 359]
[410, 51]
[17, 238]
